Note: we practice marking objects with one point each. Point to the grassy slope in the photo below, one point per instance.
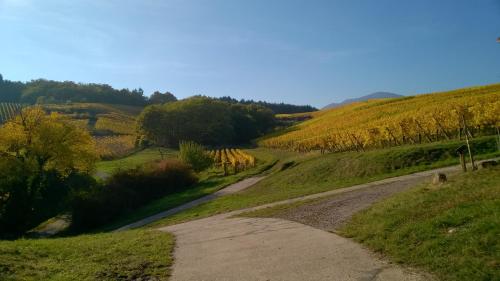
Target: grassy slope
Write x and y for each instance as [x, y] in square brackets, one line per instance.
[128, 255]
[132, 161]
[210, 182]
[451, 230]
[314, 173]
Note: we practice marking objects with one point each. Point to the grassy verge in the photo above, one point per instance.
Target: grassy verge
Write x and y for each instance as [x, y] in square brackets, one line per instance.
[210, 182]
[451, 230]
[129, 255]
[313, 173]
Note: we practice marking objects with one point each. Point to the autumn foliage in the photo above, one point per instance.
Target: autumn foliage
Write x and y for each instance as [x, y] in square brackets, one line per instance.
[391, 122]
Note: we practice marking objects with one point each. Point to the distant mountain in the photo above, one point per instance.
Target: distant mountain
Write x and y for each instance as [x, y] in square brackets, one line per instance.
[377, 95]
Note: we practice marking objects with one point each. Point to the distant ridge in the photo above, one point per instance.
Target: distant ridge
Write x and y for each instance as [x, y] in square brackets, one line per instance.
[376, 95]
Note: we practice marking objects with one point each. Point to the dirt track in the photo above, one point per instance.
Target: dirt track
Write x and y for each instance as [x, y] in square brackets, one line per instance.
[330, 213]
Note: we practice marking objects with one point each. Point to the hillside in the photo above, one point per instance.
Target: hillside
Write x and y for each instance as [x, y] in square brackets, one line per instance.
[112, 126]
[377, 95]
[383, 123]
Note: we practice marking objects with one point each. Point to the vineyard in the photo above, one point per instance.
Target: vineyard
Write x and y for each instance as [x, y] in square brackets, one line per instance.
[110, 147]
[9, 110]
[113, 126]
[237, 159]
[116, 124]
[391, 122]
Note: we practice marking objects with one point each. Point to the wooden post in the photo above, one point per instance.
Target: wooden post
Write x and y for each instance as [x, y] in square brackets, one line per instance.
[468, 144]
[462, 161]
[461, 152]
[498, 138]
[224, 165]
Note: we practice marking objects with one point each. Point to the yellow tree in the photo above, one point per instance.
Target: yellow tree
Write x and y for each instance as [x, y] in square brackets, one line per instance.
[39, 155]
[49, 141]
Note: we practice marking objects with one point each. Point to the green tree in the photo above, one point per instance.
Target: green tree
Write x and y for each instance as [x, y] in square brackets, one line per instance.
[195, 155]
[198, 119]
[159, 98]
[204, 120]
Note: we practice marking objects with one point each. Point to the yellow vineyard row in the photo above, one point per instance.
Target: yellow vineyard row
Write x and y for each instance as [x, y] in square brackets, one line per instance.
[236, 158]
[389, 122]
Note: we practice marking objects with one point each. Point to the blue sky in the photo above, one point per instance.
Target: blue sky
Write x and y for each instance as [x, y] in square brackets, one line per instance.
[303, 52]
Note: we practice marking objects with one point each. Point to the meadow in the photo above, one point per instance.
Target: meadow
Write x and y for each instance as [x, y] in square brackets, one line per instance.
[450, 230]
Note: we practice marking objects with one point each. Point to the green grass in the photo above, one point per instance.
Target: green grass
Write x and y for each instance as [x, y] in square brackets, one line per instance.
[132, 161]
[314, 173]
[129, 255]
[210, 182]
[451, 230]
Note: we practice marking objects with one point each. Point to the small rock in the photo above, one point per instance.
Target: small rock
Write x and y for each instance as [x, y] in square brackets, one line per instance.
[488, 164]
[439, 178]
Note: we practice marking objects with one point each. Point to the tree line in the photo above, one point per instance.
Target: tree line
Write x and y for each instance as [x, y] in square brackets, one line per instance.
[277, 108]
[42, 91]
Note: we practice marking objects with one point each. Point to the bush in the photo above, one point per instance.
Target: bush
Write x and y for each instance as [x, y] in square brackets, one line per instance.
[28, 197]
[127, 190]
[195, 155]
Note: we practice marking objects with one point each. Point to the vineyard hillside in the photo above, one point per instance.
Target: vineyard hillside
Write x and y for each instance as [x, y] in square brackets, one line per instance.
[389, 122]
[9, 110]
[113, 126]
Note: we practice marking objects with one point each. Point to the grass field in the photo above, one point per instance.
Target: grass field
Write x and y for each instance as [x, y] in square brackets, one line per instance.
[450, 230]
[129, 255]
[303, 174]
[134, 160]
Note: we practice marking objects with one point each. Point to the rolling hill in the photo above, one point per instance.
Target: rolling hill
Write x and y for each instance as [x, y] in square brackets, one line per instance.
[389, 122]
[377, 95]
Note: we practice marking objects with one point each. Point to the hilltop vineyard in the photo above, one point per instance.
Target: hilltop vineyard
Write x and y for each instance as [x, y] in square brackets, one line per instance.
[391, 122]
[237, 159]
[8, 111]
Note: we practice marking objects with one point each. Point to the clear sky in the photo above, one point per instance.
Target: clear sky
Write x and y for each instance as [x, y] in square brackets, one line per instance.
[303, 52]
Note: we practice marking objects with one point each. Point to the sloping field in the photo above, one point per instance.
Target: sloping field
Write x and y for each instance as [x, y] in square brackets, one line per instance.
[113, 126]
[388, 122]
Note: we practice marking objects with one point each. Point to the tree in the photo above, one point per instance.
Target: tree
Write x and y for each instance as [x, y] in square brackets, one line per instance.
[42, 156]
[204, 120]
[195, 155]
[159, 98]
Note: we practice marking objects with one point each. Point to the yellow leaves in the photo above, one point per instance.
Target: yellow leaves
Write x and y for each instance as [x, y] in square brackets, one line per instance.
[48, 140]
[388, 122]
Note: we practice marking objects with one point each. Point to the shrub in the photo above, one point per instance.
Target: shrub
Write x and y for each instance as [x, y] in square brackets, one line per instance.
[195, 155]
[127, 190]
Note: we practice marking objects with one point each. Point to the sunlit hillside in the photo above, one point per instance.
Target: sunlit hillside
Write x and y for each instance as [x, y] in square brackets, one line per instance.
[387, 122]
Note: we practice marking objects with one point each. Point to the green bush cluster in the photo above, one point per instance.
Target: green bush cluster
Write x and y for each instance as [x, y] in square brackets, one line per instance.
[127, 190]
[195, 155]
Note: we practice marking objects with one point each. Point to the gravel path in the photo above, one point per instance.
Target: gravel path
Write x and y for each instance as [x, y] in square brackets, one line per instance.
[331, 213]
